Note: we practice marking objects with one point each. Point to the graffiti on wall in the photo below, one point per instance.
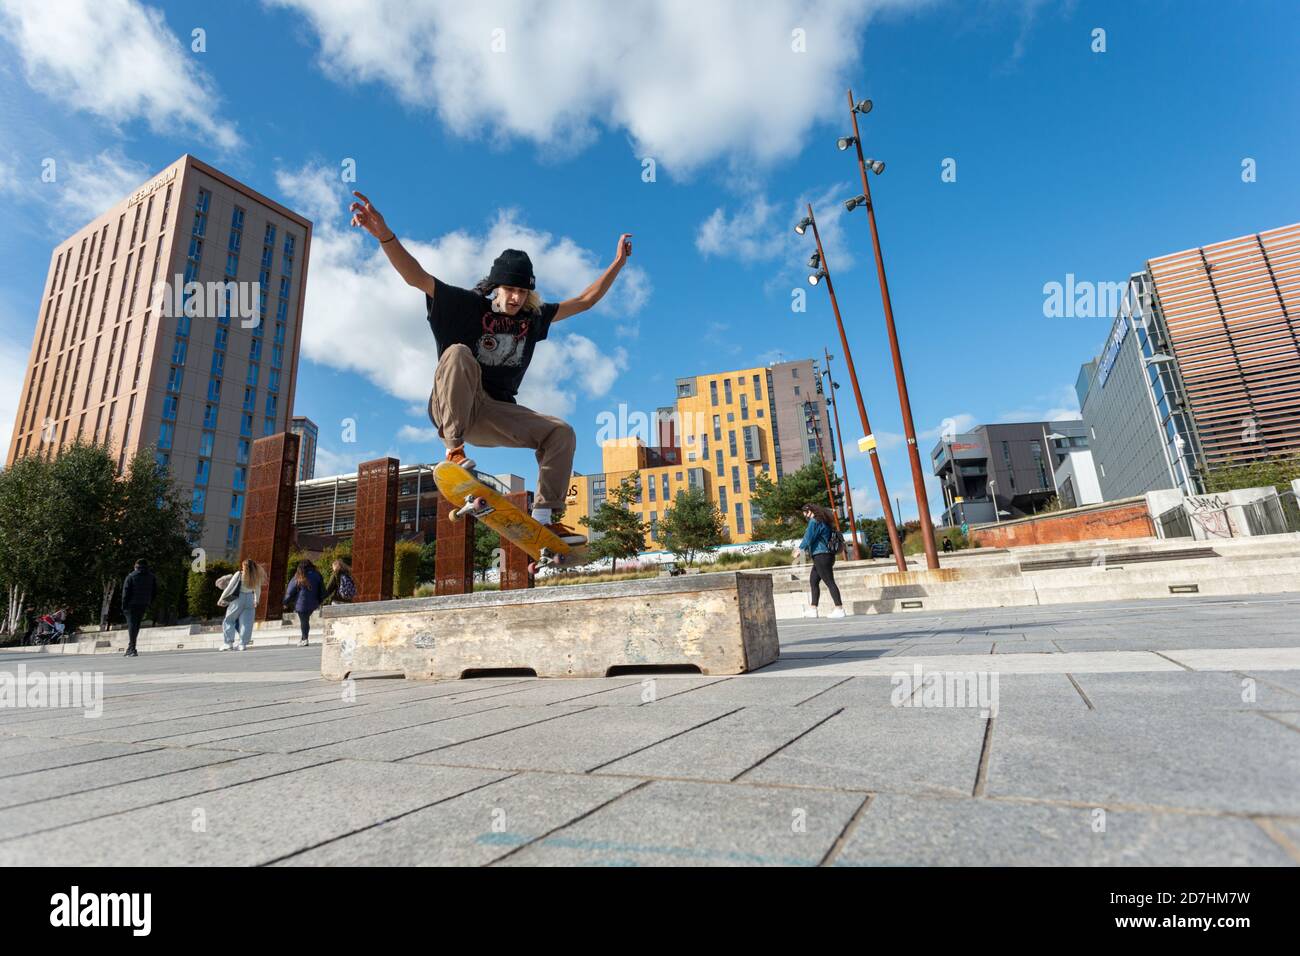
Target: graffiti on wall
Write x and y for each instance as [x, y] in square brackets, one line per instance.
[1210, 513]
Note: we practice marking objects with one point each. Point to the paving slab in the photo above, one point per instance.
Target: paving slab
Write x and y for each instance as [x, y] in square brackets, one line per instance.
[580, 742]
[1208, 760]
[249, 823]
[673, 823]
[902, 749]
[925, 831]
[723, 749]
[33, 789]
[475, 828]
[61, 811]
[425, 740]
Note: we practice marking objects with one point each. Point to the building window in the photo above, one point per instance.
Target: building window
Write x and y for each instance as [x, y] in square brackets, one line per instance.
[170, 403]
[735, 478]
[165, 432]
[205, 444]
[241, 455]
[197, 502]
[713, 392]
[663, 481]
[722, 498]
[717, 428]
[232, 537]
[201, 472]
[731, 442]
[236, 506]
[796, 389]
[740, 518]
[726, 390]
[246, 425]
[652, 488]
[758, 390]
[209, 416]
[744, 408]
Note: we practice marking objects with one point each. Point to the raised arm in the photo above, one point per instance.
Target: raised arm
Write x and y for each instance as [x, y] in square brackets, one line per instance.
[365, 215]
[596, 291]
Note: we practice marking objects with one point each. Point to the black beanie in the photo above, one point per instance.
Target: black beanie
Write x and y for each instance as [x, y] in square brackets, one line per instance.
[513, 268]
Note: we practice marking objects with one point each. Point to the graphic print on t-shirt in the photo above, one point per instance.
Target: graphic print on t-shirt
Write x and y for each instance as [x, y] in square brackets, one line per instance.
[503, 340]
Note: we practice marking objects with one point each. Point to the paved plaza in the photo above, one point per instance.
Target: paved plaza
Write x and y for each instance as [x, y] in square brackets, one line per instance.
[1159, 732]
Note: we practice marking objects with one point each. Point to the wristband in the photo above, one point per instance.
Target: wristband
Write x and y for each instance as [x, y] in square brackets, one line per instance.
[389, 239]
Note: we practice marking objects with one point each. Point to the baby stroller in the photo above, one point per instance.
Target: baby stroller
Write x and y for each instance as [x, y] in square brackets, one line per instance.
[49, 629]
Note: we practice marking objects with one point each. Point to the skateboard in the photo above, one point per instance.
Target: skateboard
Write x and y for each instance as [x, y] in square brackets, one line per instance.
[489, 506]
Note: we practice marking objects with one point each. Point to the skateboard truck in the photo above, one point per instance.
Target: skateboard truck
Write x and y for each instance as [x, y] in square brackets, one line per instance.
[474, 506]
[546, 559]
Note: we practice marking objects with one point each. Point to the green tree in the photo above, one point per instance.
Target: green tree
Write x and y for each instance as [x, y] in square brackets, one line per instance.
[1278, 472]
[487, 551]
[779, 503]
[406, 564]
[622, 530]
[428, 568]
[692, 525]
[201, 589]
[26, 536]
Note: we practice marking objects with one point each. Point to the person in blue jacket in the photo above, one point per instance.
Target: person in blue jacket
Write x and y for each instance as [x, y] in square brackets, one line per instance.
[306, 593]
[817, 545]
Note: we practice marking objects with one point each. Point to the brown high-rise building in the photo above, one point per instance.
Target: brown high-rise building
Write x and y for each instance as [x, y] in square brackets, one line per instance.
[172, 322]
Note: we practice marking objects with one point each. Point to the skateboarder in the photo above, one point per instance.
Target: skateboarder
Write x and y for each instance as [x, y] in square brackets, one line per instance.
[485, 341]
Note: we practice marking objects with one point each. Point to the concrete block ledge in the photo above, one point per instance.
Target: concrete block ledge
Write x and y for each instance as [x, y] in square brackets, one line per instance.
[720, 623]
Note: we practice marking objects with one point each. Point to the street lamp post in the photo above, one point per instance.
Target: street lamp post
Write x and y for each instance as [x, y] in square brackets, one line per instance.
[918, 479]
[844, 463]
[1051, 459]
[997, 515]
[895, 542]
[810, 417]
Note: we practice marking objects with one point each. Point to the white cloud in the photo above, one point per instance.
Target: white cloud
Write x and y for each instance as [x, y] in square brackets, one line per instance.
[687, 82]
[361, 317]
[87, 188]
[1062, 404]
[116, 59]
[953, 424]
[762, 233]
[418, 436]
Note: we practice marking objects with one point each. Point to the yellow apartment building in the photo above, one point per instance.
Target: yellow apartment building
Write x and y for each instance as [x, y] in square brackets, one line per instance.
[724, 429]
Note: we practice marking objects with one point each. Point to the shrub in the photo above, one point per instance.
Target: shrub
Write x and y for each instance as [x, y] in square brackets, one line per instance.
[406, 566]
[201, 589]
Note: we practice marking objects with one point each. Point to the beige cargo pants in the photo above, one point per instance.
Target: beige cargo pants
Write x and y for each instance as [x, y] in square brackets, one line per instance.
[464, 414]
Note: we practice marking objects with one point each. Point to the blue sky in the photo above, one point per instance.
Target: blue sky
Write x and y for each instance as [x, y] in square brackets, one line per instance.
[1068, 161]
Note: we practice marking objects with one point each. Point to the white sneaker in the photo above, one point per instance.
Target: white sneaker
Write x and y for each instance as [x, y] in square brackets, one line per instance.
[810, 612]
[838, 612]
[224, 647]
[241, 647]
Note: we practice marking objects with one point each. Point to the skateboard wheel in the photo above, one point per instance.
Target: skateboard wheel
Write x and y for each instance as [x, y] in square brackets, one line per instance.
[453, 515]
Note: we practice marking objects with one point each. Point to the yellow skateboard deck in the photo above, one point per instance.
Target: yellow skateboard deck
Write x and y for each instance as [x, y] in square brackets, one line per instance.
[459, 487]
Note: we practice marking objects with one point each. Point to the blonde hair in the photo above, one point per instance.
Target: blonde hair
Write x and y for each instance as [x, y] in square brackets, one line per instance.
[250, 574]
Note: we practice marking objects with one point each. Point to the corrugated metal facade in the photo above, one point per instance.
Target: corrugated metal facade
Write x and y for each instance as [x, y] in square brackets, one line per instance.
[1232, 311]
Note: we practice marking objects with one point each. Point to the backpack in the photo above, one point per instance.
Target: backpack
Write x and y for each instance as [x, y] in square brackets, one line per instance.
[347, 589]
[836, 541]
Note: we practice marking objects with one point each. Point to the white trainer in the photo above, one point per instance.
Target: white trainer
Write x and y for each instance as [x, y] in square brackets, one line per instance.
[224, 647]
[838, 612]
[810, 612]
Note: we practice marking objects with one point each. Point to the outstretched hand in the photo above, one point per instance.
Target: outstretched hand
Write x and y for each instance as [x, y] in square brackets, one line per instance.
[365, 215]
[624, 248]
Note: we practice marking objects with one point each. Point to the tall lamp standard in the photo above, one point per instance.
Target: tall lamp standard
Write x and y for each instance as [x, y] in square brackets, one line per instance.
[818, 262]
[810, 420]
[844, 463]
[918, 480]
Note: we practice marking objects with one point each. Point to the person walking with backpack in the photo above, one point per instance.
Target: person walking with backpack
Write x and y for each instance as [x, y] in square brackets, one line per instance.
[239, 593]
[138, 592]
[342, 586]
[485, 338]
[820, 545]
[306, 593]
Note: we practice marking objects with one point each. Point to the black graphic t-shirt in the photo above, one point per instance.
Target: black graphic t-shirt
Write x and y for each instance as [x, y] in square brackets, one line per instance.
[503, 344]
